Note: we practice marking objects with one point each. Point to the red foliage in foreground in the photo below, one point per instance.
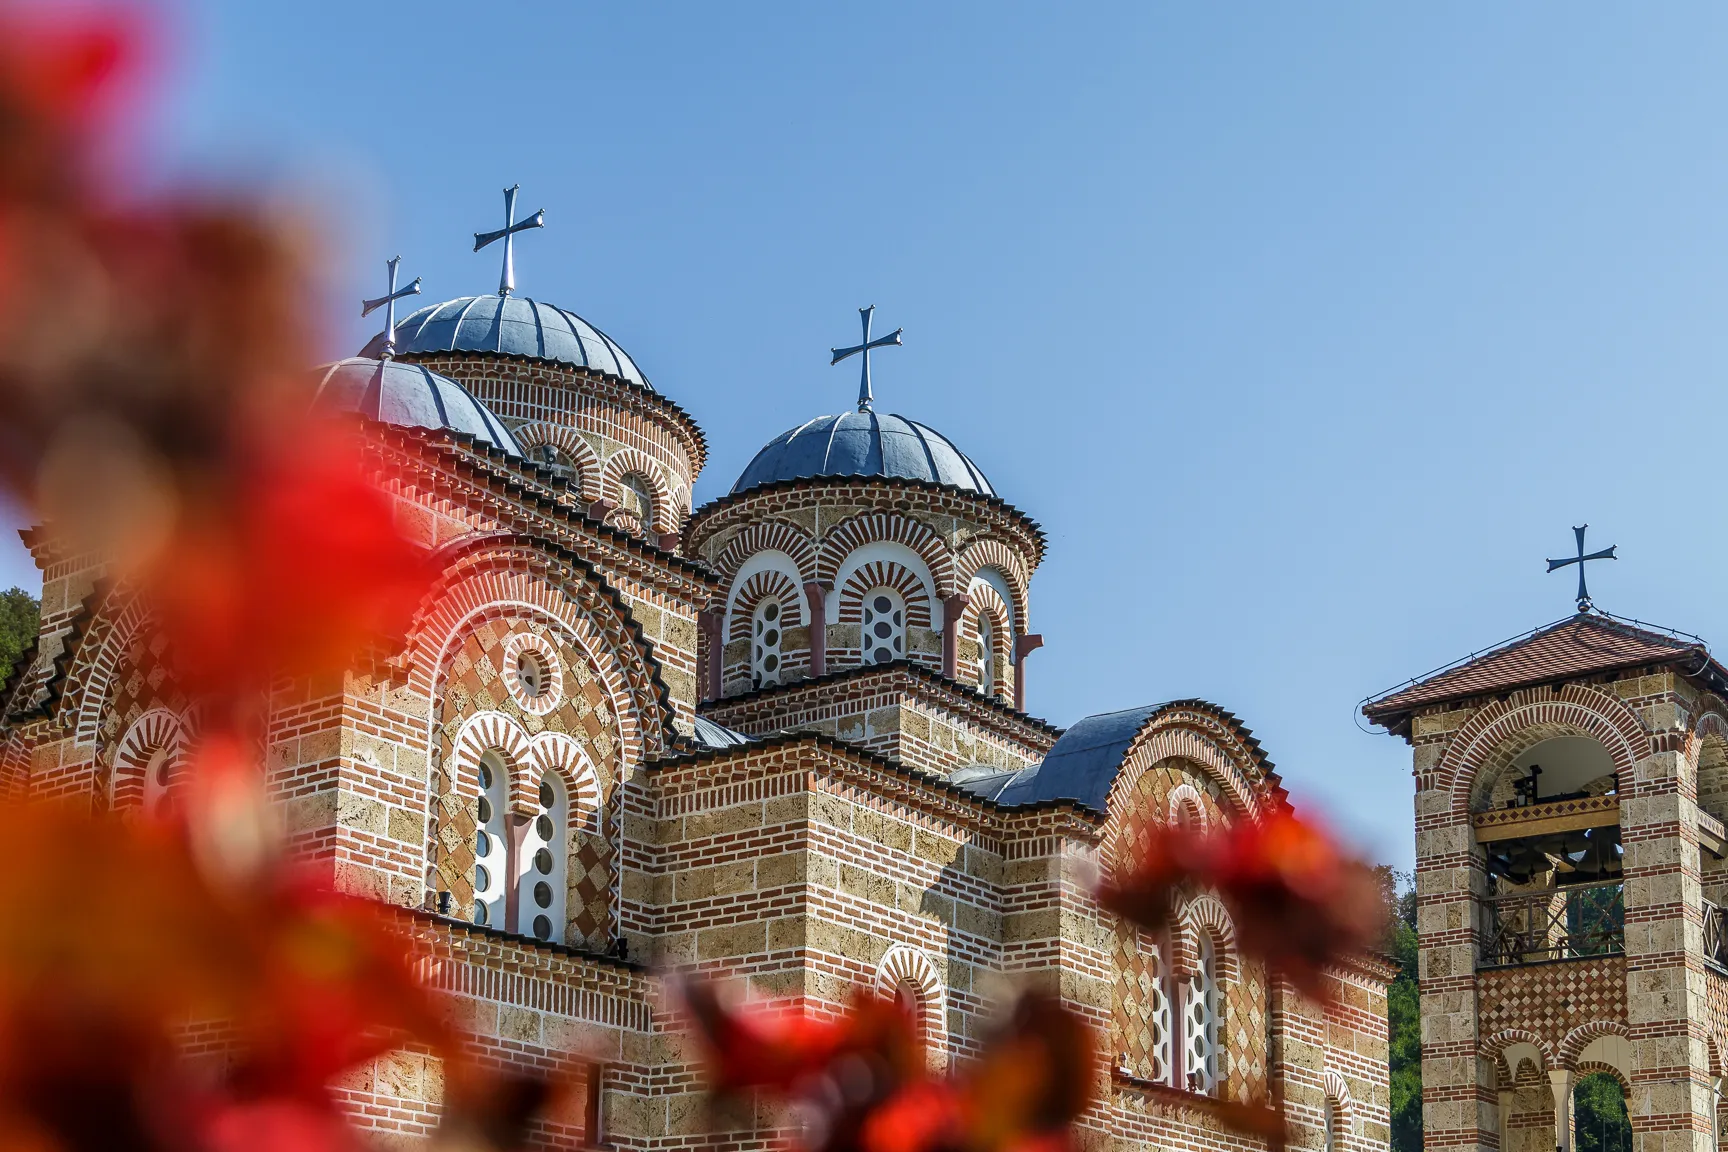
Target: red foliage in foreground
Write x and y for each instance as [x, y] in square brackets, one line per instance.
[1296, 900]
[860, 1083]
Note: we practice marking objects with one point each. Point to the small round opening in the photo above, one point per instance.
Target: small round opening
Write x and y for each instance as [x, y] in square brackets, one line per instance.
[531, 673]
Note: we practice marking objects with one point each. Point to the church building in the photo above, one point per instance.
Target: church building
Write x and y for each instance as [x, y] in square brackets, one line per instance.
[782, 738]
[1571, 787]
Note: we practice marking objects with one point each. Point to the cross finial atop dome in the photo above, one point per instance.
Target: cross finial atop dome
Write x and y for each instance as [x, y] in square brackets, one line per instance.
[388, 303]
[507, 277]
[893, 338]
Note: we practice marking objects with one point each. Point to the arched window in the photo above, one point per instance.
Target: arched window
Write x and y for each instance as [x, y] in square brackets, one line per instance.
[1331, 1125]
[1200, 1021]
[636, 499]
[986, 655]
[765, 629]
[555, 459]
[908, 999]
[491, 850]
[545, 850]
[884, 626]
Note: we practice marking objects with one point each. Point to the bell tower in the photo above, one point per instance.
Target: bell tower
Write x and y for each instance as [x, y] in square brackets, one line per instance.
[1569, 800]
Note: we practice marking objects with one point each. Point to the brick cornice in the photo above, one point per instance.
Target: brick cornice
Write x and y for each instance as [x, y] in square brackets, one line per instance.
[914, 680]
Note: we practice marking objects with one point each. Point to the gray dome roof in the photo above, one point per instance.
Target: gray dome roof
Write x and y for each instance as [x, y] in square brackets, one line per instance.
[512, 326]
[408, 396]
[864, 444]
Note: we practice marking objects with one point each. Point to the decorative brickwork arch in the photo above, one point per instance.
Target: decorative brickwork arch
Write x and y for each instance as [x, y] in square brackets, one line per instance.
[159, 730]
[559, 753]
[1580, 1037]
[1206, 914]
[627, 462]
[486, 732]
[1496, 735]
[755, 588]
[768, 536]
[905, 966]
[1496, 1047]
[991, 552]
[94, 658]
[1598, 1068]
[1185, 801]
[883, 574]
[985, 601]
[487, 572]
[589, 475]
[1707, 750]
[849, 536]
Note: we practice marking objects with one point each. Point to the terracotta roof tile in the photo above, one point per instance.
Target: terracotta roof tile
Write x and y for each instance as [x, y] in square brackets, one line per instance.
[1580, 645]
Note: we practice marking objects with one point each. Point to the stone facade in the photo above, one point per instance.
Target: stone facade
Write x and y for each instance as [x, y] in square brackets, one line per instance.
[532, 779]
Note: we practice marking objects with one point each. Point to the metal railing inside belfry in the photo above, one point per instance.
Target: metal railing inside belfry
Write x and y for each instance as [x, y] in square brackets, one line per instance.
[1567, 923]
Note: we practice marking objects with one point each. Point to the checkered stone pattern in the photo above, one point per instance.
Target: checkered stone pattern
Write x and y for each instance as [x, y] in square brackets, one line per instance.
[474, 683]
[1142, 1005]
[1552, 999]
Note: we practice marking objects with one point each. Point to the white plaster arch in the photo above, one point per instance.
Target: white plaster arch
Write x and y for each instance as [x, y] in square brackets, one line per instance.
[561, 753]
[992, 575]
[887, 552]
[771, 560]
[1611, 1049]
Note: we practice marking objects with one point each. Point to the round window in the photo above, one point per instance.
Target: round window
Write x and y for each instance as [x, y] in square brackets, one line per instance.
[480, 913]
[543, 825]
[531, 673]
[482, 878]
[485, 811]
[543, 862]
[543, 927]
[543, 894]
[547, 796]
[772, 612]
[882, 604]
[482, 845]
[485, 778]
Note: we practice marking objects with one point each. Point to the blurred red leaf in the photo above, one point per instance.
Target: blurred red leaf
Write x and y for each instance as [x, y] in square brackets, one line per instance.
[1295, 899]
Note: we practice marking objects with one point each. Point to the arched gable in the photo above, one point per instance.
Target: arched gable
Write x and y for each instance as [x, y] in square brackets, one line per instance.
[768, 536]
[1199, 736]
[94, 656]
[884, 562]
[1495, 736]
[850, 536]
[628, 461]
[487, 571]
[990, 552]
[590, 477]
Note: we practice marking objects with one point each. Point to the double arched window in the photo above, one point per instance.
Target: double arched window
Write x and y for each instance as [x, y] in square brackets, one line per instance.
[884, 631]
[765, 637]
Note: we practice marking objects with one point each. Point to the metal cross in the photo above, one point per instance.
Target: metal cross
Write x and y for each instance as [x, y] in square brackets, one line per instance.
[1584, 604]
[893, 338]
[388, 303]
[507, 278]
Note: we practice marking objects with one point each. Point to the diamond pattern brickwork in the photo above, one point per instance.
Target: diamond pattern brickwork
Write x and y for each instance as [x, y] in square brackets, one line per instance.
[1551, 1000]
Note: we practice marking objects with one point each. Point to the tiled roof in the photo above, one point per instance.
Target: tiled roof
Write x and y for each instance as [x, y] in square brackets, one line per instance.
[1580, 645]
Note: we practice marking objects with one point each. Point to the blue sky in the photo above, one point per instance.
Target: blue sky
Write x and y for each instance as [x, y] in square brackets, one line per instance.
[1307, 332]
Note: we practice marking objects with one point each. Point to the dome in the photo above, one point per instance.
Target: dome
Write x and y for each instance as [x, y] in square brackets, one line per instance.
[864, 444]
[512, 326]
[408, 396]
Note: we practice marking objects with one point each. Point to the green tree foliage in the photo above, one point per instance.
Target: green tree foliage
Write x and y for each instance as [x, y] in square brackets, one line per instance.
[20, 615]
[1404, 1010]
[1599, 1116]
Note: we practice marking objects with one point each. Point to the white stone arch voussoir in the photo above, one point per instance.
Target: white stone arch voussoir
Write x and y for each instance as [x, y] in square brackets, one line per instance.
[887, 552]
[904, 964]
